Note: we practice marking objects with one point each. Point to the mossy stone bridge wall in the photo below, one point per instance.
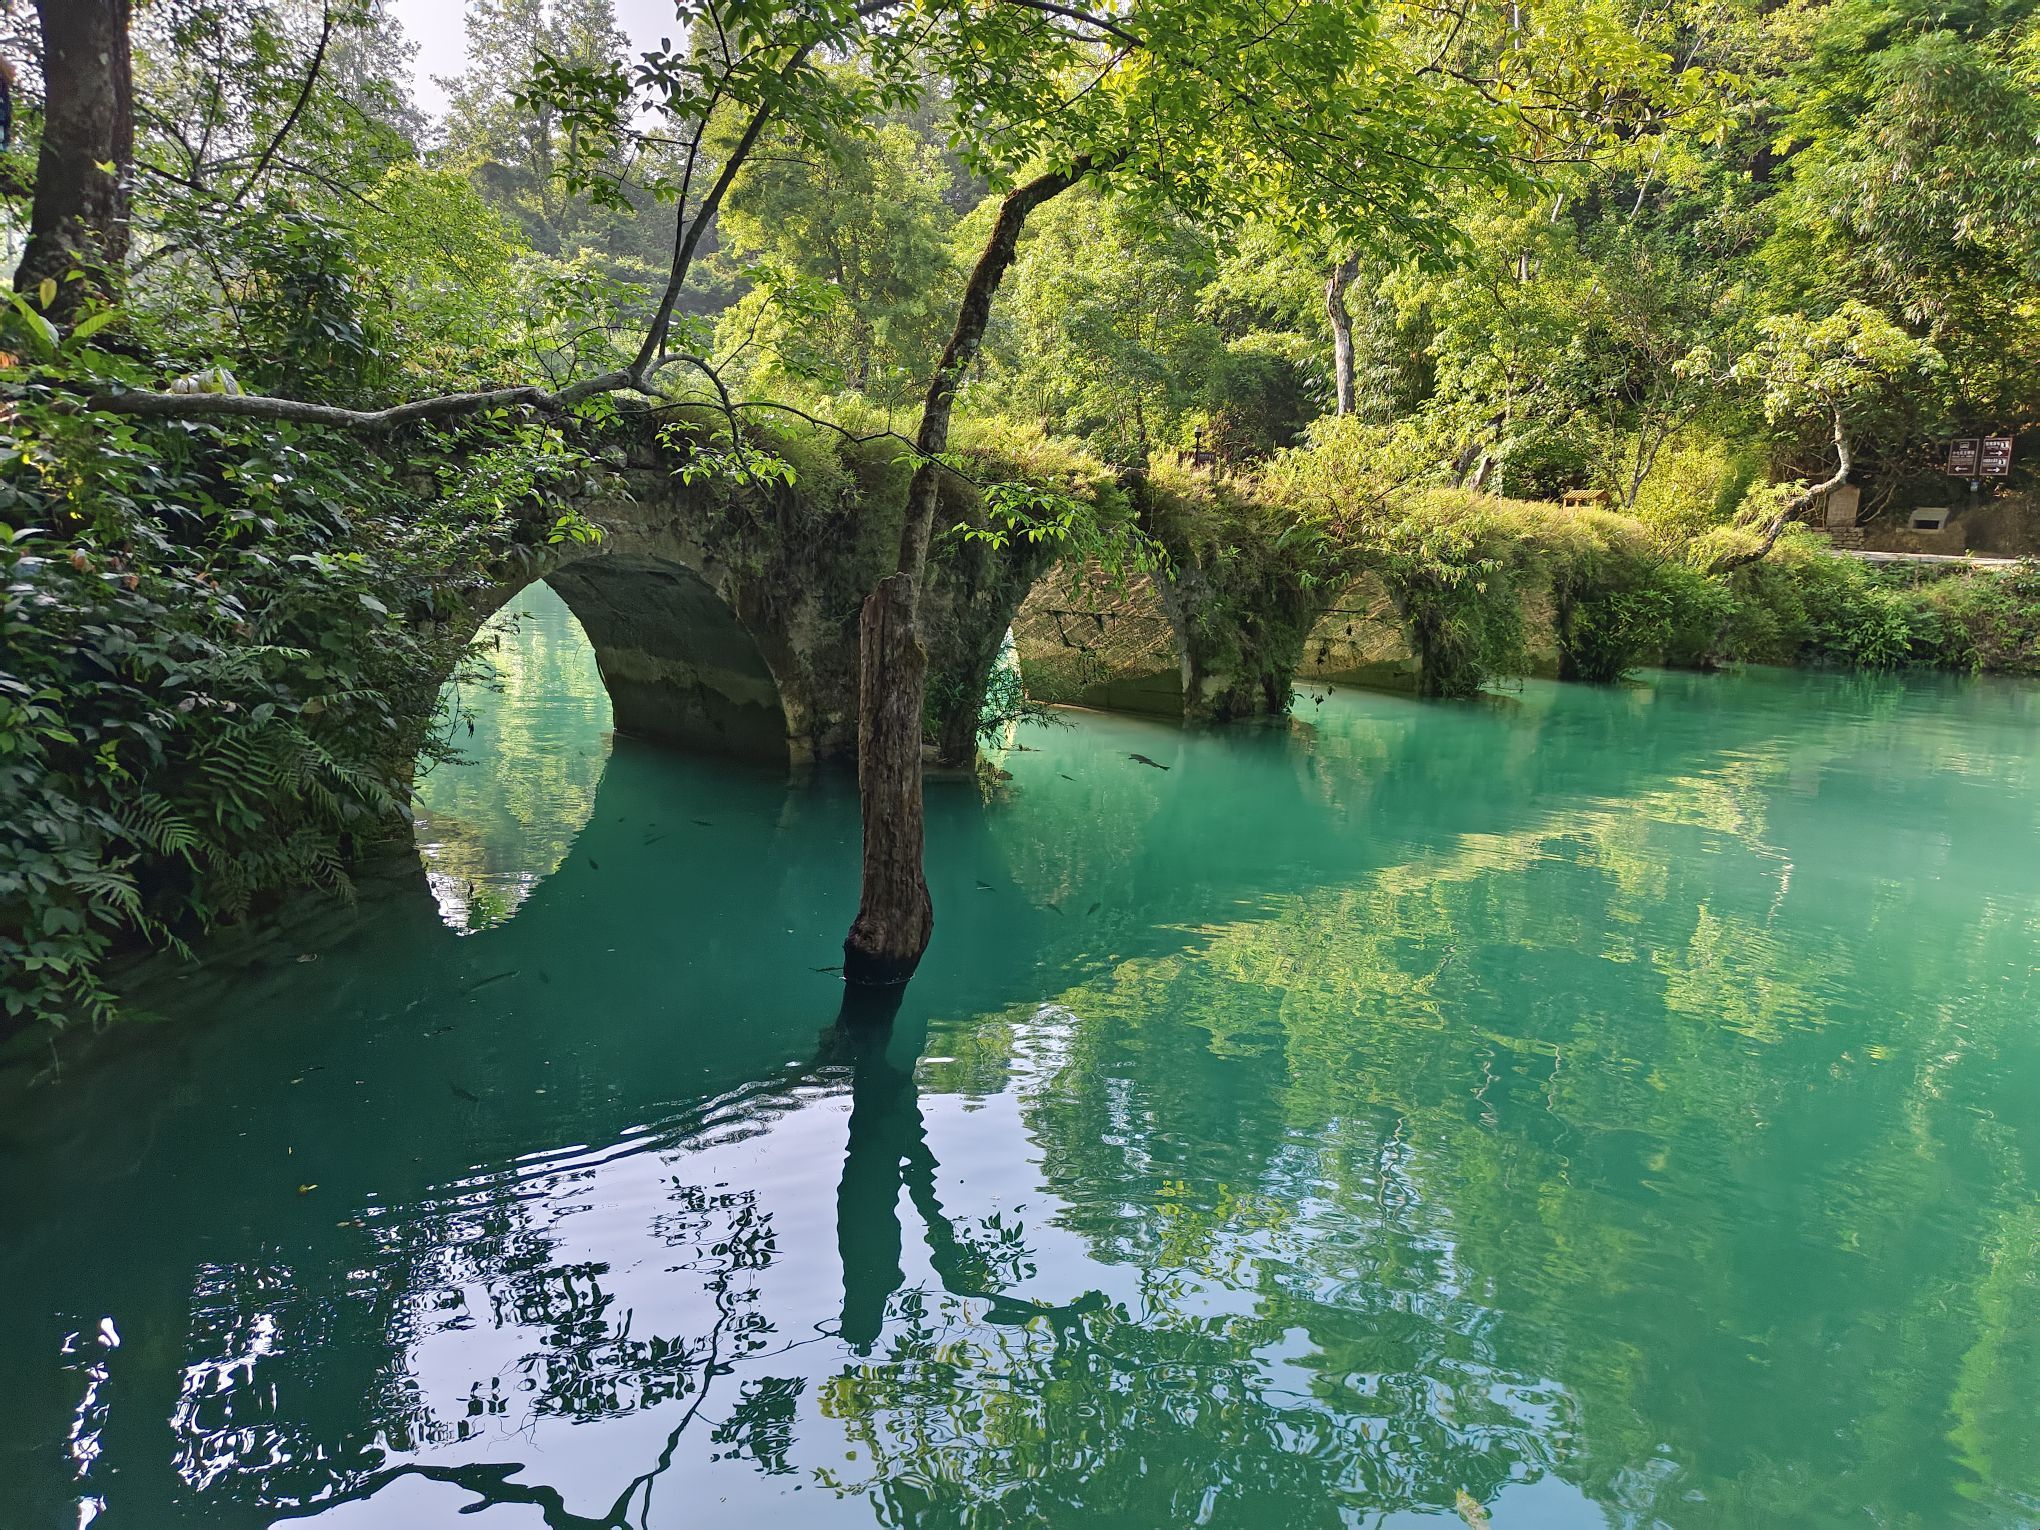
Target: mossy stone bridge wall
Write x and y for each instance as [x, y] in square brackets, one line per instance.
[728, 624]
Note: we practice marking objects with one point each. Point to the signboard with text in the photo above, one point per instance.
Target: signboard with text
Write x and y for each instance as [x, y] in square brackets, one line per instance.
[1997, 457]
[1962, 456]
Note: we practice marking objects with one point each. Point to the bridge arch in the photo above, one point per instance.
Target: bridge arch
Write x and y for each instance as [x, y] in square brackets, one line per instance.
[1117, 649]
[681, 666]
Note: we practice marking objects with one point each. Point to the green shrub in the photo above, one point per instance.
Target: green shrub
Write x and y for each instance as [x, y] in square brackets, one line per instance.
[1695, 482]
[1454, 565]
[221, 646]
[1700, 610]
[1542, 463]
[1253, 400]
[1989, 621]
[1611, 609]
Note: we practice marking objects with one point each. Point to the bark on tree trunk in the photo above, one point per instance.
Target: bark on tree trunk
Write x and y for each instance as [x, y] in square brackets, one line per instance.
[894, 916]
[79, 221]
[1342, 329]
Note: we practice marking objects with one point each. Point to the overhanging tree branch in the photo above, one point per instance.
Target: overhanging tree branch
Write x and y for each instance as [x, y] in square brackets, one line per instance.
[304, 96]
[1795, 507]
[257, 406]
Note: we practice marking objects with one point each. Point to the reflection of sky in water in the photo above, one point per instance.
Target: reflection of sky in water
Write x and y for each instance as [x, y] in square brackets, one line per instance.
[1579, 1108]
[533, 731]
[672, 1269]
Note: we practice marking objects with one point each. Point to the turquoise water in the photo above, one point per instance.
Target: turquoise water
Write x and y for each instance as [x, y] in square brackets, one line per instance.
[1579, 1107]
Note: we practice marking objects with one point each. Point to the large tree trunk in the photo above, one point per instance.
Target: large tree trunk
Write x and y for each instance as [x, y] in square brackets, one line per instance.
[1342, 329]
[895, 918]
[79, 222]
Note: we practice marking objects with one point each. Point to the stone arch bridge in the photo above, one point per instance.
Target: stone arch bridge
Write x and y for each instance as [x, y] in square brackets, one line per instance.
[728, 623]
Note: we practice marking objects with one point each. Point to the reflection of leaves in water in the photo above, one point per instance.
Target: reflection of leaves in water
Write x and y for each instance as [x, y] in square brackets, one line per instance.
[761, 1426]
[1520, 1076]
[584, 1360]
[1563, 1148]
[533, 739]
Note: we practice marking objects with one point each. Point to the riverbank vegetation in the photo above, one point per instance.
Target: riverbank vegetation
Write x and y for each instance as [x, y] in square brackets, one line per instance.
[1264, 299]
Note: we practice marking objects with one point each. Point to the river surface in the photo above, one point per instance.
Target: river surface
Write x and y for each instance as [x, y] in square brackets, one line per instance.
[1577, 1107]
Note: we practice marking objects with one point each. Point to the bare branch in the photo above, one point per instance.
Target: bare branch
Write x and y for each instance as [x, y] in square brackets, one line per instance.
[148, 404]
[297, 107]
[1795, 507]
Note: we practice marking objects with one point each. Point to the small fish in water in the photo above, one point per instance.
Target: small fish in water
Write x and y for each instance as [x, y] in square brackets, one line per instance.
[1141, 759]
[1092, 909]
[655, 839]
[463, 1094]
[1066, 778]
[306, 1189]
[837, 968]
[705, 823]
[1054, 908]
[544, 976]
[497, 978]
[593, 864]
[441, 1030]
[1470, 1510]
[471, 727]
[309, 956]
[986, 887]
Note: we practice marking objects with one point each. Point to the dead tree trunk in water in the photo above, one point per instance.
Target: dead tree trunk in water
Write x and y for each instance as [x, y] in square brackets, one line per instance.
[79, 221]
[894, 917]
[1342, 329]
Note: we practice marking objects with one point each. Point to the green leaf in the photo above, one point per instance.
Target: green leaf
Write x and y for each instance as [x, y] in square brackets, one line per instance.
[40, 329]
[92, 324]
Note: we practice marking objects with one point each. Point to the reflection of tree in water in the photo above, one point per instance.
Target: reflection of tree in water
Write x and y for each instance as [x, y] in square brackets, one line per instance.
[1568, 1163]
[971, 1403]
[888, 1150]
[1389, 1216]
[531, 731]
[587, 1364]
[965, 1400]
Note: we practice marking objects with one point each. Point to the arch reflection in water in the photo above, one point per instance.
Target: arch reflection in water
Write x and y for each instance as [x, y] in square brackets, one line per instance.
[533, 731]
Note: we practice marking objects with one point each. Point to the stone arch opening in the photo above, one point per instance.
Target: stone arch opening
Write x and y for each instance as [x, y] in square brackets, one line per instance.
[533, 741]
[680, 668]
[1116, 649]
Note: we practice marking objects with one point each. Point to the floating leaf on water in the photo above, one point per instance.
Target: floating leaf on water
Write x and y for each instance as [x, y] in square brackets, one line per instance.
[1470, 1510]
